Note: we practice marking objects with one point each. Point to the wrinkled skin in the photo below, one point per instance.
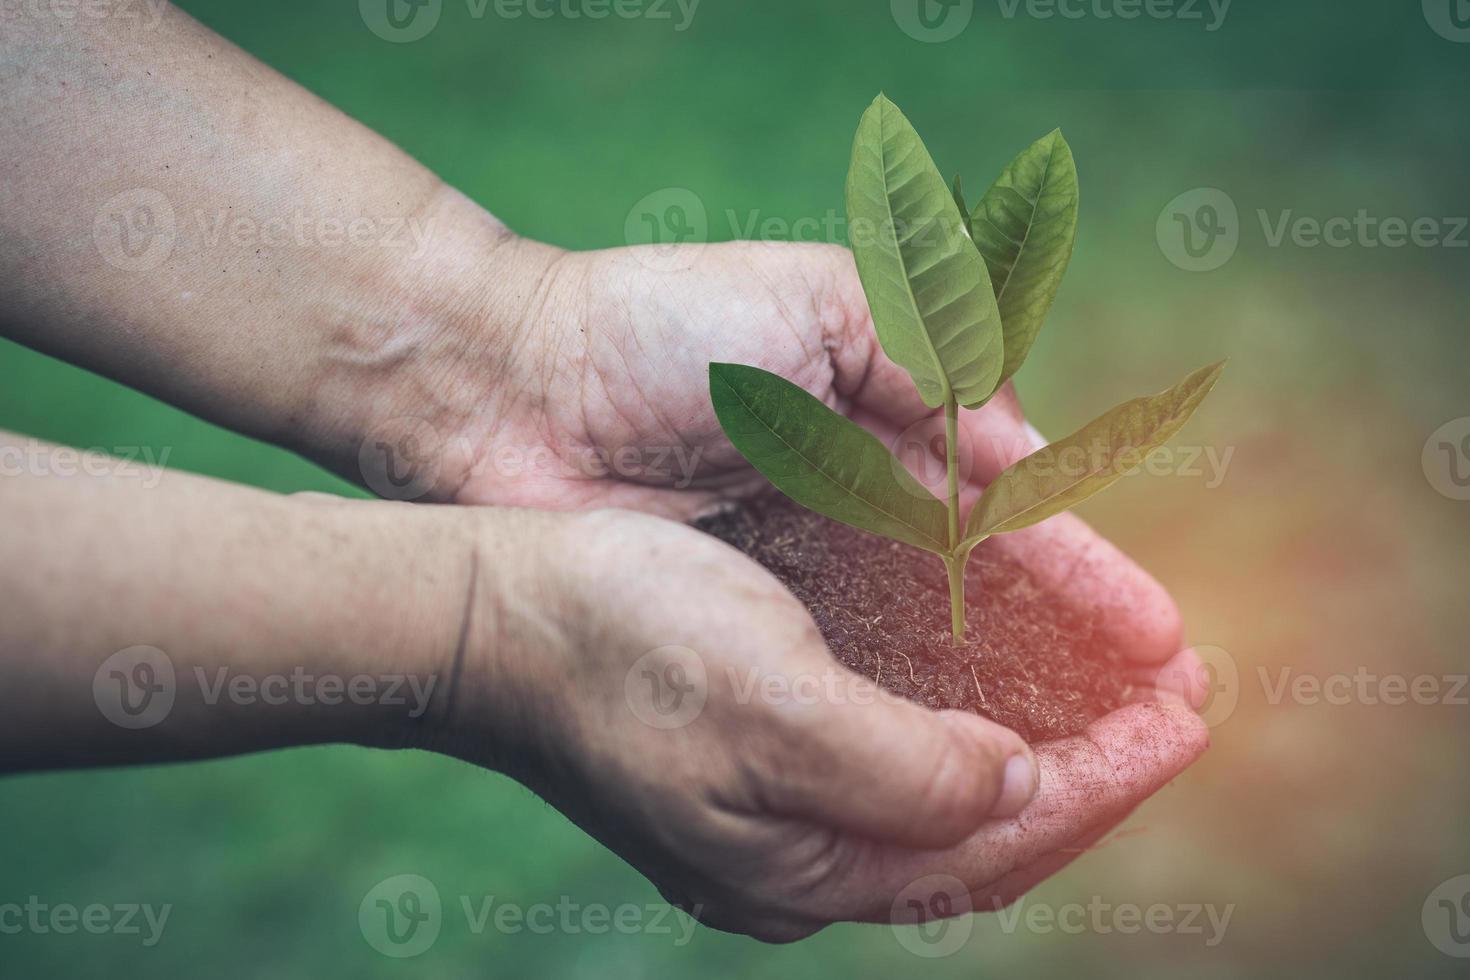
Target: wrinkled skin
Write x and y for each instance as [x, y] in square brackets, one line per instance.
[776, 819]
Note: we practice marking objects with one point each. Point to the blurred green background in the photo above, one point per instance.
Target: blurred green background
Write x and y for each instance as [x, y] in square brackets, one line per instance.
[1325, 550]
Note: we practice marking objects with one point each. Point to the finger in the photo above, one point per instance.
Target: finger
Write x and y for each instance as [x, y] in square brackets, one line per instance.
[1011, 886]
[888, 770]
[1182, 679]
[1132, 612]
[1087, 782]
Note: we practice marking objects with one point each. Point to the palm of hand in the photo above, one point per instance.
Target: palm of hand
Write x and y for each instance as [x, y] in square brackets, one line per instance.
[611, 408]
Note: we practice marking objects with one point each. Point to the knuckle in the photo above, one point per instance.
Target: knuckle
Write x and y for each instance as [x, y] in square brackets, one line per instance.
[961, 780]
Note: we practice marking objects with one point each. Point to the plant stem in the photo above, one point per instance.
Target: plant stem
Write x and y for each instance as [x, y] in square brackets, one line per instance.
[954, 564]
[956, 569]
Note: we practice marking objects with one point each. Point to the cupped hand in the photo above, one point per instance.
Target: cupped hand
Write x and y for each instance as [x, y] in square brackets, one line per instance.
[675, 701]
[604, 402]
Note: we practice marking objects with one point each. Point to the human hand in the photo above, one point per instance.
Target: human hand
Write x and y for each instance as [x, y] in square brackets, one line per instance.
[602, 399]
[691, 718]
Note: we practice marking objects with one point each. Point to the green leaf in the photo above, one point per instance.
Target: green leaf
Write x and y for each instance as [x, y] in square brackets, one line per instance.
[959, 200]
[1025, 226]
[1066, 473]
[822, 460]
[926, 284]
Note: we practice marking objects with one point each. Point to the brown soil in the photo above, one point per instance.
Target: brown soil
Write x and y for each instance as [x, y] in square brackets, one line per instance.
[1030, 663]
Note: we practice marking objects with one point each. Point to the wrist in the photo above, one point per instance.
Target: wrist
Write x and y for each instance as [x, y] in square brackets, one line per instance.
[400, 383]
[470, 604]
[365, 606]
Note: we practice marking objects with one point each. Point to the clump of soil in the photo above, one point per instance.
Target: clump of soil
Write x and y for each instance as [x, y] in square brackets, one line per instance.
[1031, 663]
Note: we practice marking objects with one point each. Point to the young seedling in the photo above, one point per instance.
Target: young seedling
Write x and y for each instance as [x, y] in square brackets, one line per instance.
[957, 298]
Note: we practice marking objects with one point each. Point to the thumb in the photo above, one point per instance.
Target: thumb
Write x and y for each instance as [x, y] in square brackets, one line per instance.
[891, 770]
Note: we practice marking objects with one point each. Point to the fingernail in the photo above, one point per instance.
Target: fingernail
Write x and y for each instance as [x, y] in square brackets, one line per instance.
[1038, 441]
[1018, 787]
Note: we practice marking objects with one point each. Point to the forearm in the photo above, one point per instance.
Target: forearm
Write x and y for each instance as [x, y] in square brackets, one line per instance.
[182, 218]
[272, 621]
